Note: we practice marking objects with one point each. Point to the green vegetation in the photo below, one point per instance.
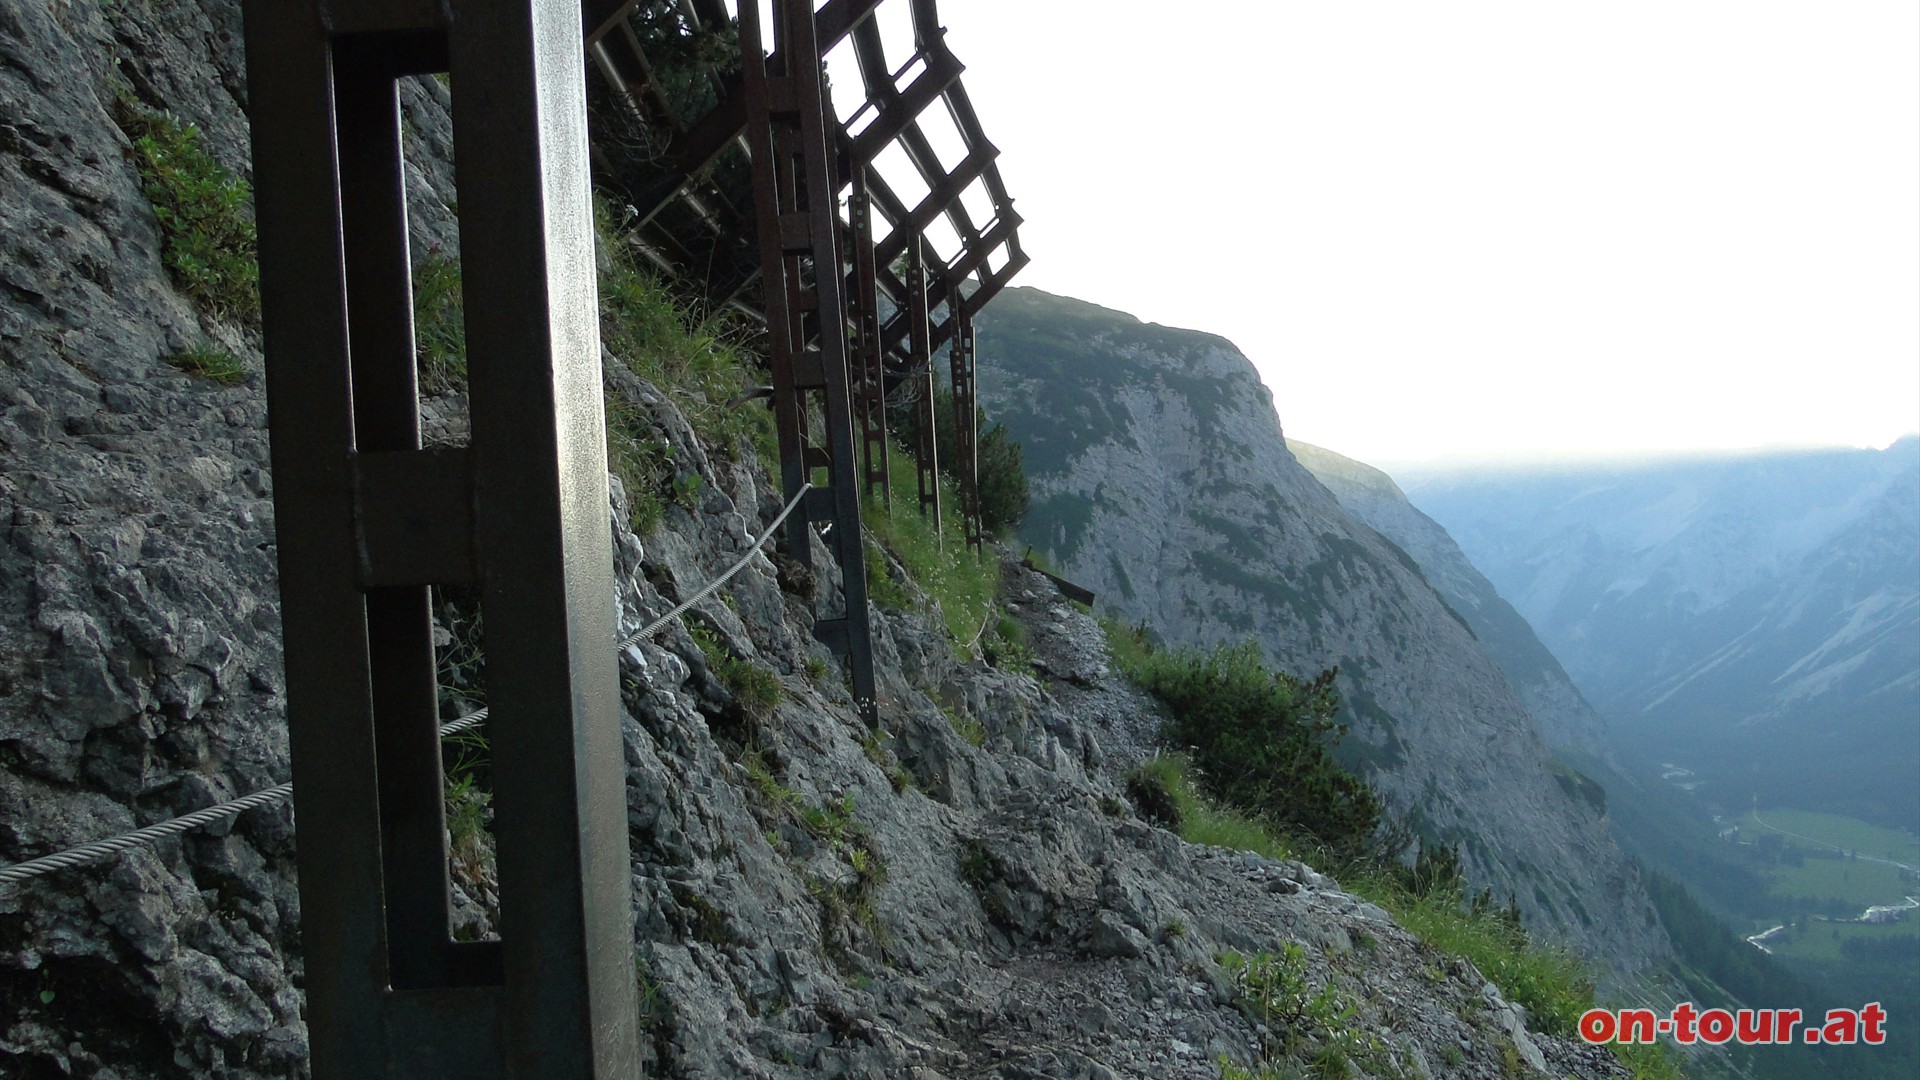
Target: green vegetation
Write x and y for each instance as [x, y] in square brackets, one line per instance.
[1550, 983]
[1003, 478]
[212, 363]
[1198, 818]
[965, 725]
[469, 817]
[1427, 900]
[1006, 645]
[1296, 1021]
[439, 325]
[466, 758]
[755, 690]
[697, 358]
[684, 57]
[960, 582]
[1840, 833]
[205, 213]
[1259, 741]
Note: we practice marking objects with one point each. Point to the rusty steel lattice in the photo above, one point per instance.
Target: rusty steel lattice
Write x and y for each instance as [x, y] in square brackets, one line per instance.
[801, 288]
[368, 520]
[734, 184]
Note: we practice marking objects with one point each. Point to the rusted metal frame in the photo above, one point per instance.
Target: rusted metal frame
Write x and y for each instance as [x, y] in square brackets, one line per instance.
[710, 12]
[871, 388]
[899, 111]
[310, 414]
[926, 21]
[711, 134]
[960, 108]
[965, 467]
[599, 17]
[343, 420]
[817, 126]
[798, 229]
[569, 1006]
[630, 91]
[945, 193]
[883, 92]
[898, 328]
[990, 285]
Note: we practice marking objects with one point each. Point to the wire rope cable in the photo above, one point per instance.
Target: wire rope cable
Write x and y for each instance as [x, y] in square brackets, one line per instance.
[100, 850]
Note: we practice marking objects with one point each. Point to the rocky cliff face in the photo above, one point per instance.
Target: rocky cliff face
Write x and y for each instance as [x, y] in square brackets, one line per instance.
[967, 894]
[1756, 619]
[1562, 716]
[1162, 481]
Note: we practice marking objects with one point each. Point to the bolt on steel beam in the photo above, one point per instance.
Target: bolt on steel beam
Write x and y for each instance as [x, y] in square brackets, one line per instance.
[368, 519]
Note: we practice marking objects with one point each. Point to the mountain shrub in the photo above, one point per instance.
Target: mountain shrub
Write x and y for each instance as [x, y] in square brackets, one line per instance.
[1003, 479]
[204, 210]
[1260, 740]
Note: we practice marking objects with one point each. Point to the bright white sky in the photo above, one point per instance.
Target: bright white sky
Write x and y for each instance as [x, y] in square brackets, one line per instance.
[1487, 227]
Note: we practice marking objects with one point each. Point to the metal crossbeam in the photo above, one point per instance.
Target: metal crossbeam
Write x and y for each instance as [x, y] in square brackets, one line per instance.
[368, 520]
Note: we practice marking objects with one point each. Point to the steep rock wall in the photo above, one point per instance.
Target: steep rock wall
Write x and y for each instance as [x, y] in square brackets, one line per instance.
[1563, 717]
[1162, 481]
[946, 908]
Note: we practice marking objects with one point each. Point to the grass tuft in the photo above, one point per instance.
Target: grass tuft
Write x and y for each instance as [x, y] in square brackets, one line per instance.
[439, 325]
[961, 583]
[212, 363]
[205, 213]
[696, 357]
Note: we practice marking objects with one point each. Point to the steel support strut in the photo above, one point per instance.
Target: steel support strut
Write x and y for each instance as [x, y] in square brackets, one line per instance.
[367, 520]
[798, 225]
[966, 420]
[870, 388]
[920, 376]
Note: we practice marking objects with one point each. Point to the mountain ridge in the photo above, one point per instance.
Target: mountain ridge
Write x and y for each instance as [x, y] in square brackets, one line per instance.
[1562, 715]
[1162, 480]
[1757, 614]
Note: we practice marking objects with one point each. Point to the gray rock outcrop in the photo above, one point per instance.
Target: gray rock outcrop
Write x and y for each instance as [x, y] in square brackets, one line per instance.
[1562, 716]
[812, 899]
[1162, 481]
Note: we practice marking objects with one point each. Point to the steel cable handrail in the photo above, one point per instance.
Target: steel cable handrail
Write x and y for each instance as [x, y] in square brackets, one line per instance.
[99, 850]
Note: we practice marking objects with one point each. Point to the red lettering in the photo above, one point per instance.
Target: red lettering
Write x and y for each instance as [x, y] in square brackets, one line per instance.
[1871, 1017]
[1637, 1025]
[1755, 1025]
[1716, 1026]
[1683, 1018]
[1784, 1021]
[1597, 1026]
[1842, 1027]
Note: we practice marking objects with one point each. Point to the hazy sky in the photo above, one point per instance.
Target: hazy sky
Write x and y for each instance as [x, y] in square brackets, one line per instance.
[1469, 228]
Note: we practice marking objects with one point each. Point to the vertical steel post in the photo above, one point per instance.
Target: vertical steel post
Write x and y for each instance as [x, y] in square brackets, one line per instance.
[966, 419]
[871, 386]
[802, 274]
[920, 363]
[367, 519]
